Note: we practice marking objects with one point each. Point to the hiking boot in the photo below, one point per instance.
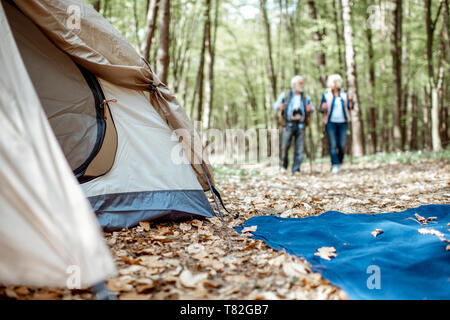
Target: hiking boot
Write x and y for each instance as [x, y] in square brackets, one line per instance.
[335, 169]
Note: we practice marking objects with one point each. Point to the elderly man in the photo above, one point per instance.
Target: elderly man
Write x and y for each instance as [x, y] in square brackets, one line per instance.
[295, 106]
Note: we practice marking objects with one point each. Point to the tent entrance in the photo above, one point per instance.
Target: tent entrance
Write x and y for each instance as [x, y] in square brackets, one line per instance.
[71, 97]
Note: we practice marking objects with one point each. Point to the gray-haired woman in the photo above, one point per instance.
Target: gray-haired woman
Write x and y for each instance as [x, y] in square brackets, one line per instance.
[336, 104]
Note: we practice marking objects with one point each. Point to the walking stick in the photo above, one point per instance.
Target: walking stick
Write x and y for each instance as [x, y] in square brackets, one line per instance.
[311, 150]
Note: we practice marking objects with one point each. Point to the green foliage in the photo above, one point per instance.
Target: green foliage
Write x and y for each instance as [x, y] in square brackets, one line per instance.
[241, 54]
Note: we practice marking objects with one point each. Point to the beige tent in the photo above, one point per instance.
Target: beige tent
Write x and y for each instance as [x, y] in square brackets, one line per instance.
[80, 103]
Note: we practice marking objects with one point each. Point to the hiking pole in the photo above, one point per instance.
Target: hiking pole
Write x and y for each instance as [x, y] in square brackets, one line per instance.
[311, 151]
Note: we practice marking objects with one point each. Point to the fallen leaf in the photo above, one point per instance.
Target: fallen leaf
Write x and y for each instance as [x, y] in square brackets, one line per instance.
[22, 291]
[197, 223]
[129, 260]
[145, 225]
[294, 269]
[10, 293]
[376, 232]
[134, 296]
[185, 227]
[152, 262]
[187, 279]
[249, 229]
[131, 269]
[46, 296]
[118, 286]
[431, 231]
[195, 248]
[263, 296]
[326, 253]
[161, 239]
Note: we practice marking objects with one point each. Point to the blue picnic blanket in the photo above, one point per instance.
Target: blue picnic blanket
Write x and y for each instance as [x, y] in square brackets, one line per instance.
[400, 263]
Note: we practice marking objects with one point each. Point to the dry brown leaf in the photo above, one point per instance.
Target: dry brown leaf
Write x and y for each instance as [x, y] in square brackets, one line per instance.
[145, 225]
[377, 232]
[195, 248]
[239, 278]
[129, 260]
[431, 231]
[295, 269]
[187, 279]
[131, 269]
[268, 295]
[134, 296]
[118, 286]
[211, 284]
[185, 227]
[218, 265]
[22, 291]
[46, 296]
[197, 223]
[326, 253]
[10, 293]
[161, 239]
[249, 229]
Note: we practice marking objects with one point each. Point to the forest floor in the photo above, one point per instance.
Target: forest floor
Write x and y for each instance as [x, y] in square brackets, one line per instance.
[209, 260]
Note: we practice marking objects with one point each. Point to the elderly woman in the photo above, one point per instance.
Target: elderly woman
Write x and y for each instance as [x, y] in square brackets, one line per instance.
[336, 105]
[296, 107]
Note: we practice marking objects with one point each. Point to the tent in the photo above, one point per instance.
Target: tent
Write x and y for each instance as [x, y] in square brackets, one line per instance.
[77, 102]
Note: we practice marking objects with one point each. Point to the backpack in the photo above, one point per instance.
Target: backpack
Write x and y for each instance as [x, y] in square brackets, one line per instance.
[305, 118]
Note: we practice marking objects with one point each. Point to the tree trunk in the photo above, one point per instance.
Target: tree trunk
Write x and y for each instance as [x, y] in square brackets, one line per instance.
[357, 130]
[413, 145]
[200, 74]
[291, 27]
[435, 82]
[372, 112]
[211, 48]
[426, 119]
[136, 24]
[396, 51]
[339, 39]
[270, 68]
[97, 5]
[162, 63]
[318, 37]
[150, 28]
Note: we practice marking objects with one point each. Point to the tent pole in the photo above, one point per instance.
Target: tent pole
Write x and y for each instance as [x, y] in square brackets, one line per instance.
[212, 191]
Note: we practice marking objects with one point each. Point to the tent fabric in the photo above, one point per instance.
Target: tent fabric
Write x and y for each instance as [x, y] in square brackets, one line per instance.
[46, 224]
[411, 265]
[125, 210]
[144, 167]
[63, 92]
[99, 47]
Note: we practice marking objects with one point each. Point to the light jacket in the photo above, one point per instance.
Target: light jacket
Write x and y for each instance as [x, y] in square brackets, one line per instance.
[329, 98]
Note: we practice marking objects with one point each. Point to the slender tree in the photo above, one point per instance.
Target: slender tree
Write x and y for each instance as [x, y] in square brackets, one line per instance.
[396, 51]
[162, 63]
[150, 27]
[318, 37]
[97, 5]
[372, 111]
[357, 129]
[268, 38]
[211, 57]
[200, 74]
[435, 80]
